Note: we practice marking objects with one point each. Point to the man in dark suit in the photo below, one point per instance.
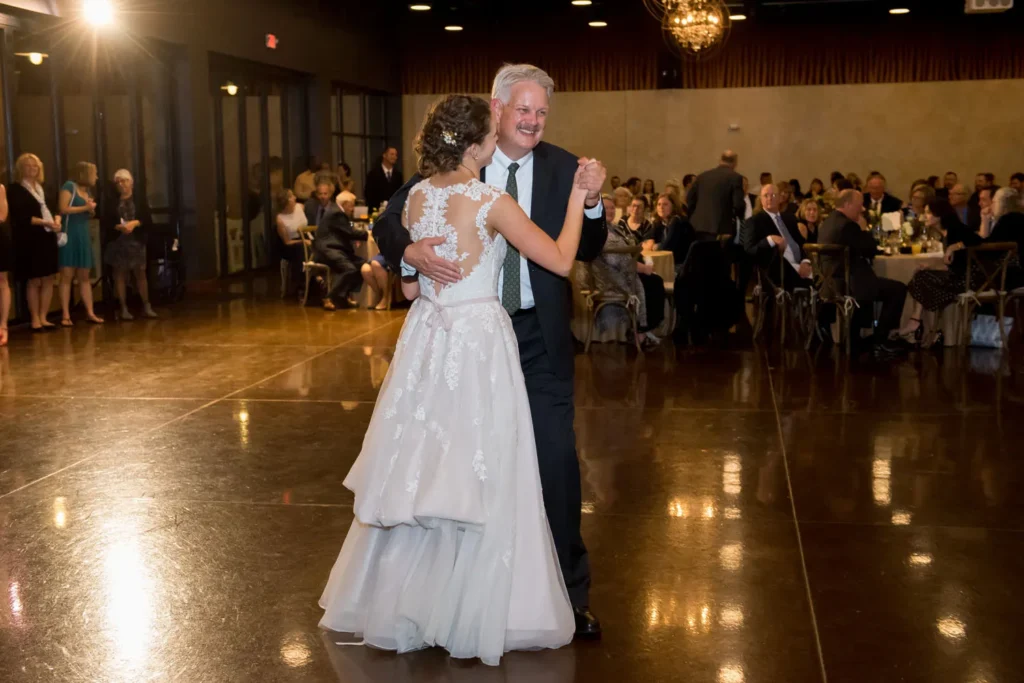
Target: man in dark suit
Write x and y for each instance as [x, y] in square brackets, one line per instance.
[317, 205]
[715, 200]
[770, 236]
[842, 227]
[384, 180]
[335, 246]
[749, 201]
[876, 200]
[540, 177]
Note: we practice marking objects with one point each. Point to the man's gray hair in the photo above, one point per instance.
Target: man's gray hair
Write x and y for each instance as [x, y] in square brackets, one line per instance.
[847, 197]
[510, 74]
[122, 173]
[1005, 200]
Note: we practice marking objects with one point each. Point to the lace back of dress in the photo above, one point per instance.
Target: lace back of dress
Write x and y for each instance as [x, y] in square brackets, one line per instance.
[459, 214]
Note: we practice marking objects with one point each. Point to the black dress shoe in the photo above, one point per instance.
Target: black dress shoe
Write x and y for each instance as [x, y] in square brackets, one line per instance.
[587, 625]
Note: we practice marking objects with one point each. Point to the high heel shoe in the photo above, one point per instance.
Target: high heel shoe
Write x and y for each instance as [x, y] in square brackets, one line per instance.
[917, 335]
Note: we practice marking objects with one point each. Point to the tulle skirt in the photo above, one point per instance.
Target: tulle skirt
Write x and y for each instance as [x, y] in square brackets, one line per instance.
[450, 545]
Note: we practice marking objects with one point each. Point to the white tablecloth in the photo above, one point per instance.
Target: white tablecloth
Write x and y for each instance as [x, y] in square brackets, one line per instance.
[902, 268]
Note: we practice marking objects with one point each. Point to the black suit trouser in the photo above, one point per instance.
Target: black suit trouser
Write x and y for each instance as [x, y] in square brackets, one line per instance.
[891, 293]
[553, 410]
[345, 276]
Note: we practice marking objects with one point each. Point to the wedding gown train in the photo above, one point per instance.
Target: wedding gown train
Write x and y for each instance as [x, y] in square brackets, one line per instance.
[450, 545]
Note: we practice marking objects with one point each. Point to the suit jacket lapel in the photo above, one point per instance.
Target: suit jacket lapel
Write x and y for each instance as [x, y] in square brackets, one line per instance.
[483, 174]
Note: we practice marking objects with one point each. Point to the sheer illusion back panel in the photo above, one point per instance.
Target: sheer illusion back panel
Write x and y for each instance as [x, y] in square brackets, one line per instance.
[459, 214]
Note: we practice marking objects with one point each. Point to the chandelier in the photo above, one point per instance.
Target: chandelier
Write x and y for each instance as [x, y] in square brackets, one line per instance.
[693, 27]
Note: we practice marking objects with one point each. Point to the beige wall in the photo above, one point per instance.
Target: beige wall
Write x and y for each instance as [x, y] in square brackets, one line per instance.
[905, 130]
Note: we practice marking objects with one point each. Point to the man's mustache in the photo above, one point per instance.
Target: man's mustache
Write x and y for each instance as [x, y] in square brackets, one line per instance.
[523, 128]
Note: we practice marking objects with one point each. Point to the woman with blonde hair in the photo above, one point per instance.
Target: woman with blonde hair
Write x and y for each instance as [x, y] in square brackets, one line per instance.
[808, 220]
[622, 198]
[34, 229]
[75, 257]
[125, 222]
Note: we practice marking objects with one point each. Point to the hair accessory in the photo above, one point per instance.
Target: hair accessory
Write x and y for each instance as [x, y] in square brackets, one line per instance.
[449, 137]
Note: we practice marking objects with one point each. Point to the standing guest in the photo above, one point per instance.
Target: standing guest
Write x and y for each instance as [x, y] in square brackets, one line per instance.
[125, 222]
[770, 235]
[317, 205]
[304, 184]
[636, 222]
[335, 247]
[1017, 182]
[715, 199]
[809, 218]
[649, 191]
[34, 229]
[797, 194]
[615, 182]
[75, 257]
[876, 200]
[958, 201]
[787, 205]
[6, 254]
[749, 200]
[622, 198]
[290, 219]
[816, 190]
[345, 180]
[688, 180]
[383, 181]
[842, 228]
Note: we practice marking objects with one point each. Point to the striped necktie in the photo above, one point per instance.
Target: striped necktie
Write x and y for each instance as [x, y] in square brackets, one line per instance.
[511, 296]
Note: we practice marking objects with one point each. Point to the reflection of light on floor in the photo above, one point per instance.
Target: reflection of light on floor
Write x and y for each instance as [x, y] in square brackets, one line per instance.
[901, 517]
[678, 508]
[731, 617]
[731, 673]
[731, 556]
[920, 559]
[14, 598]
[294, 651]
[952, 628]
[709, 511]
[587, 508]
[733, 513]
[659, 612]
[881, 486]
[243, 425]
[129, 602]
[60, 512]
[349, 406]
[731, 470]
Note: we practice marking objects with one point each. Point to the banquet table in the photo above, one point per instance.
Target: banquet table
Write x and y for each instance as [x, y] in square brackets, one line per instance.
[902, 267]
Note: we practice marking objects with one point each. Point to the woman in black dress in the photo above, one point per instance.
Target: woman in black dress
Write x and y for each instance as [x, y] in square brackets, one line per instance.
[6, 250]
[808, 219]
[637, 230]
[34, 229]
[125, 223]
[672, 232]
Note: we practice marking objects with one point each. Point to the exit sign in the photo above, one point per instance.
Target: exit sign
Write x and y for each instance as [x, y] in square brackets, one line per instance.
[271, 41]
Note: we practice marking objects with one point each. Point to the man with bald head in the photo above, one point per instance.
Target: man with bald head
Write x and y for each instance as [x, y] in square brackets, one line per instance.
[843, 227]
[770, 235]
[715, 200]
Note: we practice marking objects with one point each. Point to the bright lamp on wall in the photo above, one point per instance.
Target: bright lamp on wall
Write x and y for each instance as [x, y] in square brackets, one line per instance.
[34, 58]
[230, 88]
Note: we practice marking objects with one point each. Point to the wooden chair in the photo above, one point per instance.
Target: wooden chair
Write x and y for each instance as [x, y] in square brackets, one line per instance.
[309, 266]
[993, 260]
[598, 299]
[827, 289]
[789, 306]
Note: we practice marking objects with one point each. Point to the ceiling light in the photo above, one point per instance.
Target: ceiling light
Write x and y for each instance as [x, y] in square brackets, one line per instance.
[230, 88]
[597, 24]
[98, 12]
[582, 3]
[737, 17]
[899, 10]
[452, 28]
[419, 8]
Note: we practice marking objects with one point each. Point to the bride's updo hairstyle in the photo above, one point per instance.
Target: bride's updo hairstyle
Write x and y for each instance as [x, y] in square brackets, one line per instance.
[453, 124]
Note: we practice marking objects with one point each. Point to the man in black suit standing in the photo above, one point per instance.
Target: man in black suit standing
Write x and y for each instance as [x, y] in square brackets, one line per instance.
[876, 200]
[769, 236]
[715, 200]
[384, 180]
[335, 246]
[540, 177]
[843, 227]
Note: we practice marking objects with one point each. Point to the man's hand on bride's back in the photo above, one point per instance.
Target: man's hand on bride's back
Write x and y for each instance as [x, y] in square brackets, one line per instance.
[421, 256]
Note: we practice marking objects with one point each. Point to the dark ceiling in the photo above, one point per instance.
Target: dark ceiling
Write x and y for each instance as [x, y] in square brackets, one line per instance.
[625, 13]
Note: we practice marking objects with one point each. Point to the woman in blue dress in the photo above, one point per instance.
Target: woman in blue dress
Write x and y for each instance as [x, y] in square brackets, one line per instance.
[75, 257]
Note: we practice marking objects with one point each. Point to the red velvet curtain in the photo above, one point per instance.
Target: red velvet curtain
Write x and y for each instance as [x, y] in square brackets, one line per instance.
[754, 56]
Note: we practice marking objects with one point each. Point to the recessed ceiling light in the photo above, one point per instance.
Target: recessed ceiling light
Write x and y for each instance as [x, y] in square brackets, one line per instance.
[582, 3]
[598, 24]
[899, 10]
[419, 8]
[452, 28]
[737, 17]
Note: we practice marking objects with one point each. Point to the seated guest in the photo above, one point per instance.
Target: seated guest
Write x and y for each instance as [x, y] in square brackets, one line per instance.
[317, 205]
[935, 289]
[649, 191]
[817, 190]
[673, 190]
[304, 185]
[672, 232]
[842, 227]
[636, 221]
[983, 222]
[687, 181]
[765, 179]
[876, 200]
[786, 203]
[622, 198]
[290, 219]
[749, 200]
[933, 182]
[335, 246]
[1008, 223]
[949, 180]
[796, 194]
[624, 273]
[958, 201]
[344, 176]
[854, 180]
[919, 197]
[835, 178]
[1017, 182]
[808, 219]
[615, 182]
[771, 235]
[633, 185]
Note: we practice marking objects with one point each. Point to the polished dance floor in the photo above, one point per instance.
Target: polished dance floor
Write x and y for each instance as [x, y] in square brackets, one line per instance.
[171, 504]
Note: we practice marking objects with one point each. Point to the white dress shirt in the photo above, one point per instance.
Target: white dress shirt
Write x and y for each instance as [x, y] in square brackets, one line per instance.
[387, 171]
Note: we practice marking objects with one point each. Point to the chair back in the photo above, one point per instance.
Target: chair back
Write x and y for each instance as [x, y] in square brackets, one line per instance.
[826, 259]
[588, 281]
[307, 242]
[993, 260]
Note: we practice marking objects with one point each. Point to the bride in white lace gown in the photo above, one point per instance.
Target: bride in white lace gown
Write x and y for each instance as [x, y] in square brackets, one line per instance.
[450, 545]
